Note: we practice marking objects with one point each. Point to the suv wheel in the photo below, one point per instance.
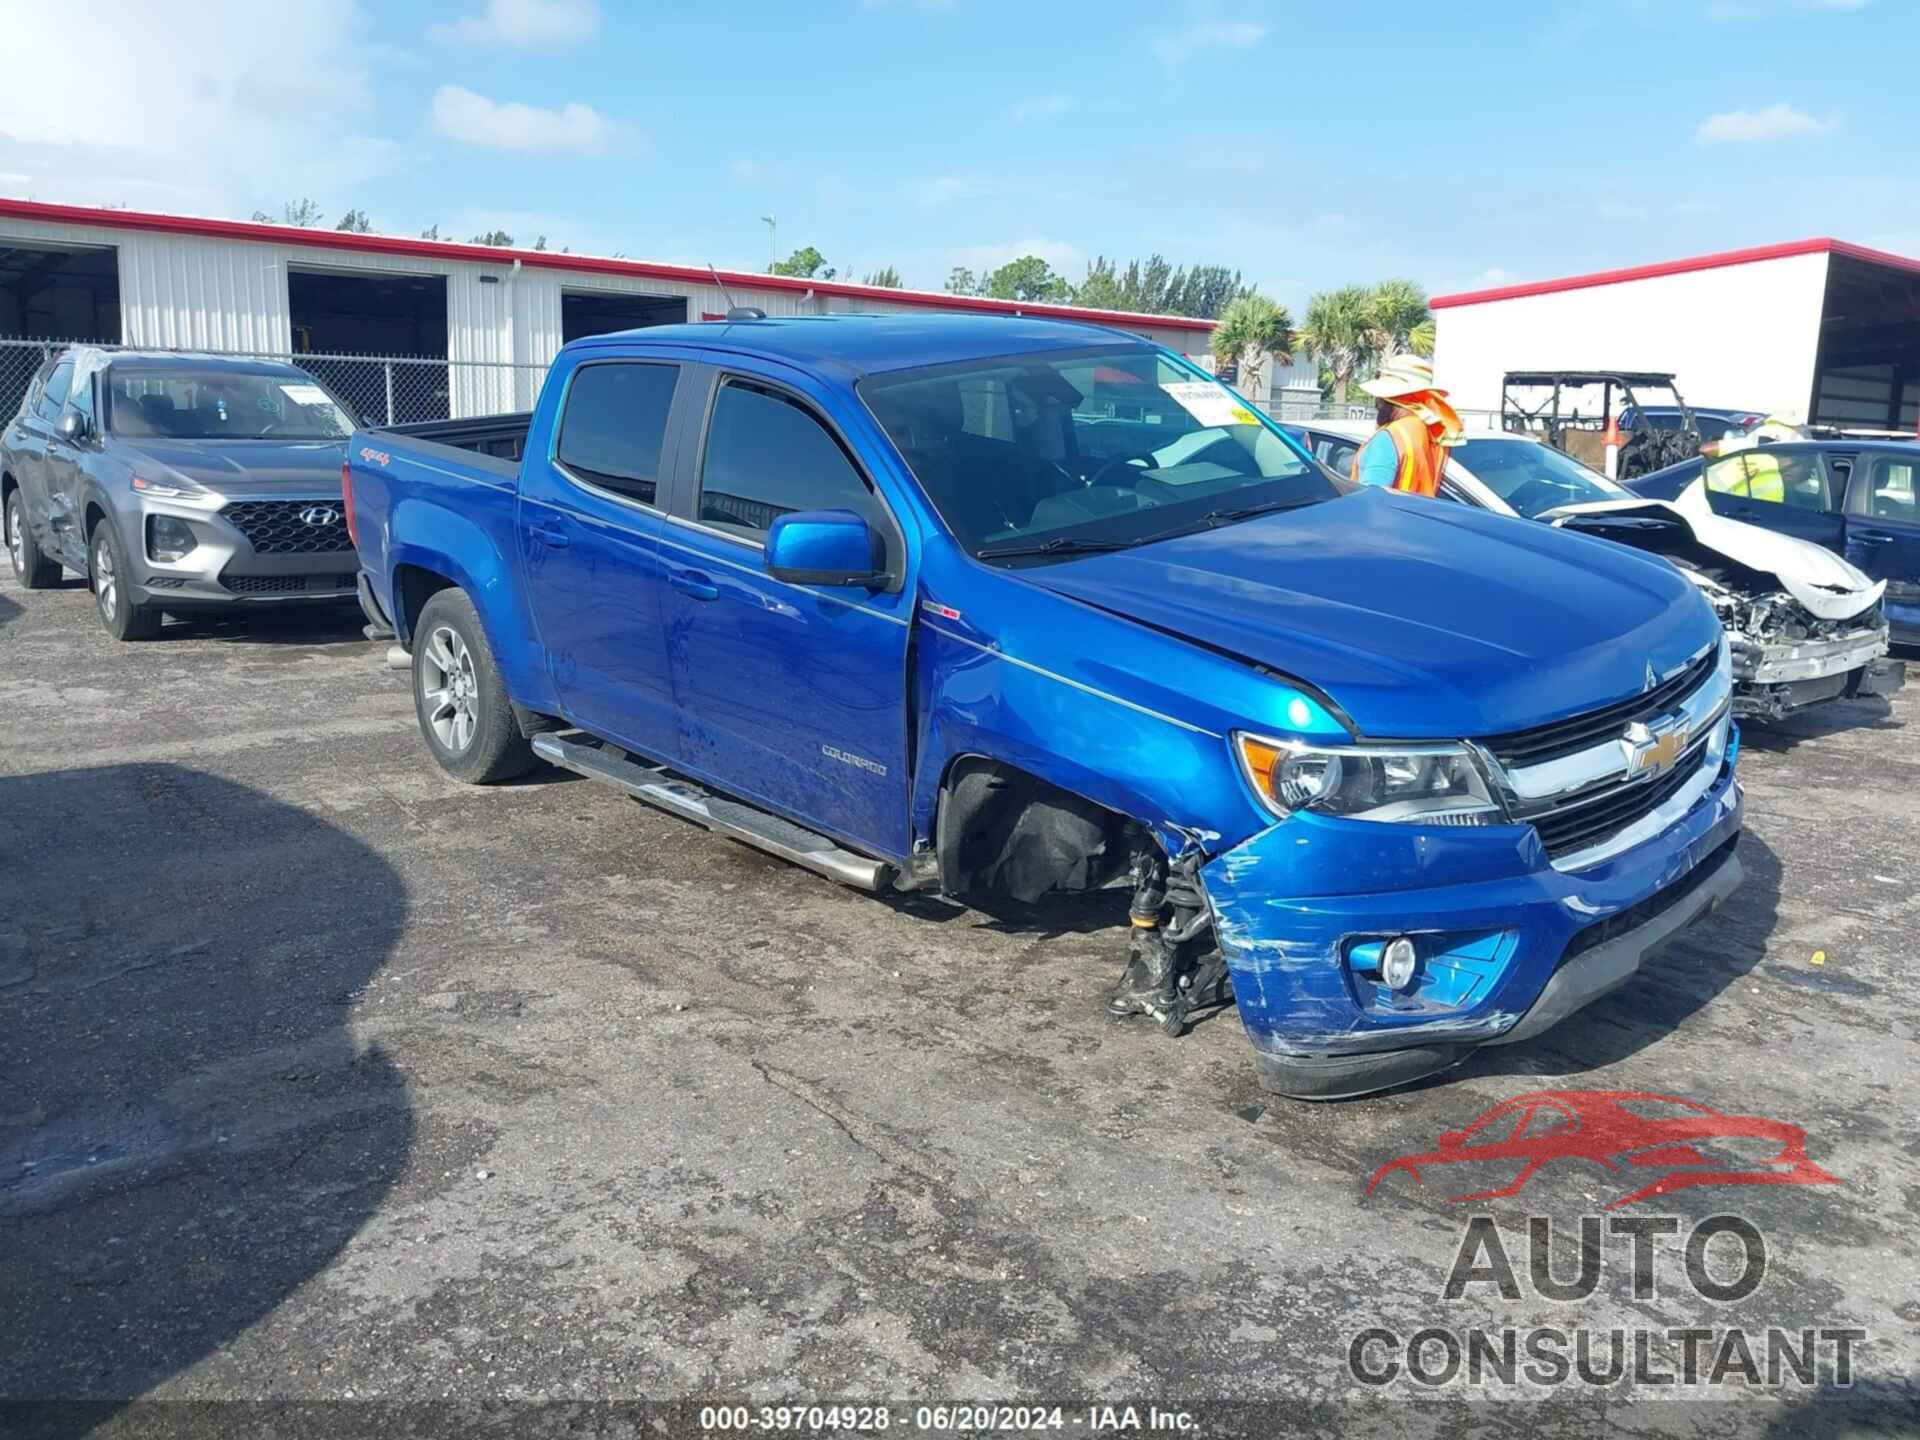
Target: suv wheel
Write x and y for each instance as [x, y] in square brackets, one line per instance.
[459, 697]
[110, 578]
[31, 567]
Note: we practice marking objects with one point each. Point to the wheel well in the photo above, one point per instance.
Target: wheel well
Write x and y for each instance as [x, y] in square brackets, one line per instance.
[413, 586]
[93, 516]
[7, 486]
[1004, 830]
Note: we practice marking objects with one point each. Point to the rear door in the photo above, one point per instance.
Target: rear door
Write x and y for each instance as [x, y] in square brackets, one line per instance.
[1786, 488]
[590, 519]
[53, 471]
[793, 696]
[1883, 532]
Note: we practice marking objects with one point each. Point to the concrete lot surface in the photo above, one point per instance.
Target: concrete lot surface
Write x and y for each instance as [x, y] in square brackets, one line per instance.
[322, 1076]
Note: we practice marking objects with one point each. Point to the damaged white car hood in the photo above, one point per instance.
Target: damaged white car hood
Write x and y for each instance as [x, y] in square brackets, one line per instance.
[1818, 579]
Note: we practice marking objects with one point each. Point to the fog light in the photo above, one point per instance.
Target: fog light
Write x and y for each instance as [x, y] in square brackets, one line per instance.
[169, 539]
[1396, 963]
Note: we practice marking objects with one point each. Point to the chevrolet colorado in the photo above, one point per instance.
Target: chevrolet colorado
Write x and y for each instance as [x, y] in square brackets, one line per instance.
[986, 606]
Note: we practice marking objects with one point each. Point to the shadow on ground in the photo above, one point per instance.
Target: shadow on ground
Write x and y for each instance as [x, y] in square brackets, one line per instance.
[1777, 737]
[188, 1132]
[305, 625]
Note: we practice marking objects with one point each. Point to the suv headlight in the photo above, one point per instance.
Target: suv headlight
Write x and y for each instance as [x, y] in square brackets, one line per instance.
[1410, 784]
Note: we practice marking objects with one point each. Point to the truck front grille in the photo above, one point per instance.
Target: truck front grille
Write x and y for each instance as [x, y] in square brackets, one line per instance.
[290, 527]
[1579, 732]
[1589, 819]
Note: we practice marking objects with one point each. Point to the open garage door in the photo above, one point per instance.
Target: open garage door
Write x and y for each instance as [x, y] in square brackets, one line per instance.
[584, 312]
[52, 292]
[398, 321]
[1868, 376]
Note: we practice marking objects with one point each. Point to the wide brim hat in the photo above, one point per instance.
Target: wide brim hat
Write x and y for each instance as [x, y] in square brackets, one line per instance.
[1401, 376]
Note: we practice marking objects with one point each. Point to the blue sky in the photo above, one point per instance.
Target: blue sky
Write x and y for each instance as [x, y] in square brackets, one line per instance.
[1308, 144]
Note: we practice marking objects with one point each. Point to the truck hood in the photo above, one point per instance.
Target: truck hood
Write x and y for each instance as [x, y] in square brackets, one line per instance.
[253, 468]
[1818, 579]
[1420, 619]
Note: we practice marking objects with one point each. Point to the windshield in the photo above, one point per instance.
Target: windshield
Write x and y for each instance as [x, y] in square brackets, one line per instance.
[1086, 449]
[222, 404]
[1534, 478]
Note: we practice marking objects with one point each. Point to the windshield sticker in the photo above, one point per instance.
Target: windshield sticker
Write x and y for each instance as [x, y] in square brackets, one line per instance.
[1209, 403]
[308, 394]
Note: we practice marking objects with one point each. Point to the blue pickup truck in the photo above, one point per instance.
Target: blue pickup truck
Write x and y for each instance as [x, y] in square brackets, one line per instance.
[997, 607]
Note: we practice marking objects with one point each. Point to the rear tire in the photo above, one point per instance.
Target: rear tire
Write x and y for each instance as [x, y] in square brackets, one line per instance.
[108, 576]
[32, 567]
[458, 695]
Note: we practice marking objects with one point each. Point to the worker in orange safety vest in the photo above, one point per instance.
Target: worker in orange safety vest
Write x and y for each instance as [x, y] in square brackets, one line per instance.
[1417, 426]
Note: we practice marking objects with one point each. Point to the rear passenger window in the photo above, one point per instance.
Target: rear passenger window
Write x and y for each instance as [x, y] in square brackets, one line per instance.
[766, 456]
[615, 424]
[1890, 493]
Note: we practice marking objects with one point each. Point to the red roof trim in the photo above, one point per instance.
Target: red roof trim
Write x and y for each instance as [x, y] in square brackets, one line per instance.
[1823, 246]
[550, 260]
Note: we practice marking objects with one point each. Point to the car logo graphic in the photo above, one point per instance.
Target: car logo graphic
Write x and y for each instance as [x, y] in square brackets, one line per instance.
[320, 515]
[1626, 1131]
[1653, 754]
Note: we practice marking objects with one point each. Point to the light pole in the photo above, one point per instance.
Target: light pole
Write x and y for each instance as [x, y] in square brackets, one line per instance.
[773, 253]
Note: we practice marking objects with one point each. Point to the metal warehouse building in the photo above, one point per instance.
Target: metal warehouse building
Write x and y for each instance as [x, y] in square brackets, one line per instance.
[1819, 326]
[403, 329]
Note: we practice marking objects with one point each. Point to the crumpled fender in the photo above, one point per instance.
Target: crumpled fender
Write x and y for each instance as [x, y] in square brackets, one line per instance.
[1826, 585]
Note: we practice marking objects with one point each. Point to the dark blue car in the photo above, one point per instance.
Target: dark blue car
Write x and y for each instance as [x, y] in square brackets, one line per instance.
[1855, 497]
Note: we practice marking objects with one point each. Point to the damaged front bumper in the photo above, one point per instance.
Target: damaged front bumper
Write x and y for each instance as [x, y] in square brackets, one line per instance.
[1773, 678]
[1507, 944]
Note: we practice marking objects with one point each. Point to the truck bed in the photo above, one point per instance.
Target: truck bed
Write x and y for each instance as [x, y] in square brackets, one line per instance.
[502, 437]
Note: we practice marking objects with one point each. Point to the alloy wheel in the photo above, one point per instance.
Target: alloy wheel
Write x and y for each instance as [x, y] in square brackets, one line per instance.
[450, 689]
[16, 535]
[106, 590]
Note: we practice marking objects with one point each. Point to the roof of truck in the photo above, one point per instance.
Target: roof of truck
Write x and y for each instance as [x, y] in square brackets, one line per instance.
[868, 344]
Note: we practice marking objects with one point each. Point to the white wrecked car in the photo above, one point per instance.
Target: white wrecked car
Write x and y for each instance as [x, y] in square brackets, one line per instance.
[1804, 625]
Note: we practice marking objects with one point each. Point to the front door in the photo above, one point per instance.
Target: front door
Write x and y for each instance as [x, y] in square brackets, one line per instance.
[792, 696]
[590, 519]
[1883, 534]
[1778, 487]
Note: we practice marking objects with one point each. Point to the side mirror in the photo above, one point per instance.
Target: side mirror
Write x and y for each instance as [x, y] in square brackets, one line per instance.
[72, 425]
[824, 547]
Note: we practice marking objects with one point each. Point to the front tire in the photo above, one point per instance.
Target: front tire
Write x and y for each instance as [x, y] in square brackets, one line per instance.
[110, 578]
[459, 697]
[32, 567]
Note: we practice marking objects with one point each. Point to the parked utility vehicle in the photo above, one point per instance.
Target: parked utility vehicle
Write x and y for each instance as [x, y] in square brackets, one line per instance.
[999, 606]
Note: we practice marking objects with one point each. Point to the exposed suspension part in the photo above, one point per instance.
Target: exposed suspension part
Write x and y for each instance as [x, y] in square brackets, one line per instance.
[1165, 977]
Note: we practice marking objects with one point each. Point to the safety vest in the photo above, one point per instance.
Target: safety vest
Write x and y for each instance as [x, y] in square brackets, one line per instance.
[1422, 457]
[1752, 473]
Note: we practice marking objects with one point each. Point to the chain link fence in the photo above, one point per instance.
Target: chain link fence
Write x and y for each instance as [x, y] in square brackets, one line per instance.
[381, 389]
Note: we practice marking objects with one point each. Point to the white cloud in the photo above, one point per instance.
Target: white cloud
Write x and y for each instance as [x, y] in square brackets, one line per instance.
[1778, 121]
[1741, 11]
[169, 122]
[523, 23]
[938, 191]
[1176, 47]
[460, 114]
[1040, 107]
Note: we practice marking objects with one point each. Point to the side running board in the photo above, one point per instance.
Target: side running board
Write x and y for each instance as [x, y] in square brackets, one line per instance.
[689, 801]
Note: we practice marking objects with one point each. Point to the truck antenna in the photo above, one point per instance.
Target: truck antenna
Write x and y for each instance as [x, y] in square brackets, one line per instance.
[734, 312]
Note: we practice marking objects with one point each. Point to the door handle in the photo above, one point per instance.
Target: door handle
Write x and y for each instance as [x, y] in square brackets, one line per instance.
[1872, 537]
[550, 535]
[692, 582]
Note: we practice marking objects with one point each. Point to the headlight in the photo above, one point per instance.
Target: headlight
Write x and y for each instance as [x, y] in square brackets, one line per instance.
[168, 539]
[1412, 784]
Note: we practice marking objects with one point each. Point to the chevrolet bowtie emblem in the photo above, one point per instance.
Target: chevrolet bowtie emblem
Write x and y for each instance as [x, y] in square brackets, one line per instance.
[1651, 754]
[1652, 679]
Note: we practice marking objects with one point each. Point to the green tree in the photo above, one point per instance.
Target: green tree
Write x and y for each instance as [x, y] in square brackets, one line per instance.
[805, 264]
[493, 237]
[1250, 329]
[1209, 289]
[1101, 289]
[962, 281]
[1028, 278]
[432, 232]
[294, 212]
[1399, 307]
[540, 243]
[886, 278]
[355, 222]
[1339, 333]
[1420, 338]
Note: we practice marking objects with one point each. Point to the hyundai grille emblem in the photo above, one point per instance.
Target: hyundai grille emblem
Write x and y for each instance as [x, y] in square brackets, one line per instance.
[320, 515]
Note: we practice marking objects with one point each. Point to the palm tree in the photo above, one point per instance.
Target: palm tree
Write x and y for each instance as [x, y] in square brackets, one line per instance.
[1399, 307]
[1250, 329]
[1339, 332]
[1420, 338]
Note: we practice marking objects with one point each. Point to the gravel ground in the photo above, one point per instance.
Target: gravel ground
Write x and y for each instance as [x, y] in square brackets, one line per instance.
[323, 1077]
